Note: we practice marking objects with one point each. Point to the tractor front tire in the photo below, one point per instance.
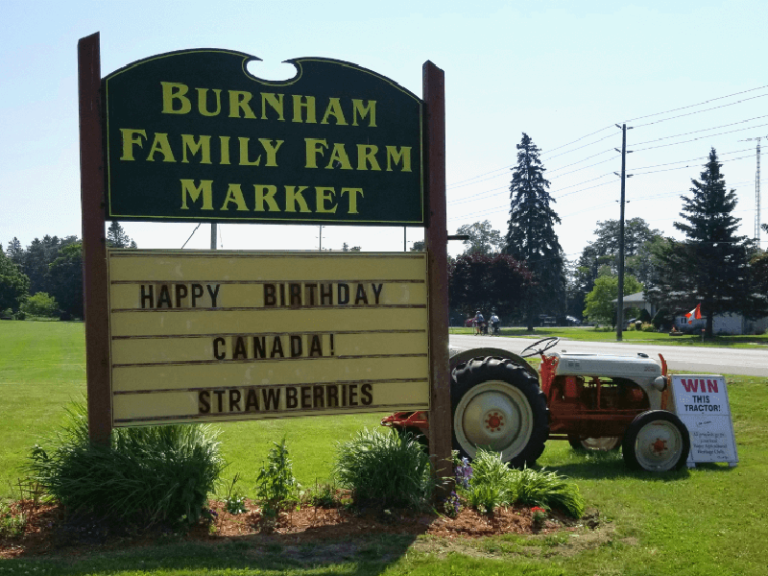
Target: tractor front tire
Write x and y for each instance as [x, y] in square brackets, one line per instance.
[497, 404]
[656, 441]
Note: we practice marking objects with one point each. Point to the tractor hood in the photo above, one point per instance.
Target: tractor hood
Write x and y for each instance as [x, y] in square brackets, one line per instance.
[632, 367]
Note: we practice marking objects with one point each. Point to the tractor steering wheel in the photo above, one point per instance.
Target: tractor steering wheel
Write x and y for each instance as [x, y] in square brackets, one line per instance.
[547, 344]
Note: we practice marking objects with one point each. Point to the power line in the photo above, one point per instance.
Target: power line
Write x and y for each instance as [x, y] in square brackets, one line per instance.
[579, 162]
[579, 139]
[548, 157]
[700, 111]
[700, 137]
[693, 159]
[580, 147]
[702, 130]
[694, 105]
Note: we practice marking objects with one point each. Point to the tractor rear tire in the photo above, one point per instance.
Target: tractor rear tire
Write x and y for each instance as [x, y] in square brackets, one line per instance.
[656, 441]
[497, 404]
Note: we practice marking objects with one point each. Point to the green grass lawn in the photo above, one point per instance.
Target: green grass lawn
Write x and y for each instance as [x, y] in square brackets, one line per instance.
[590, 334]
[707, 521]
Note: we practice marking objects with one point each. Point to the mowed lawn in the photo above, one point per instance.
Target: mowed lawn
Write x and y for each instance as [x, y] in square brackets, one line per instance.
[707, 521]
[42, 369]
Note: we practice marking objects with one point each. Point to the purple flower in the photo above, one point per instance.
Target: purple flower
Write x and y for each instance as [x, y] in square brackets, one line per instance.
[463, 473]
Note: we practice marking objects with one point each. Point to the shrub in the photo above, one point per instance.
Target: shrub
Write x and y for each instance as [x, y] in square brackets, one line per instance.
[41, 304]
[276, 484]
[148, 475]
[663, 319]
[384, 469]
[648, 327]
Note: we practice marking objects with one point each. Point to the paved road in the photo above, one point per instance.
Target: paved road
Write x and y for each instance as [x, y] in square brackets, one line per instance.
[683, 358]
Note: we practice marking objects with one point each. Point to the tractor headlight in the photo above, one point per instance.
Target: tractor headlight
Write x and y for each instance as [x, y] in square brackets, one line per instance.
[660, 383]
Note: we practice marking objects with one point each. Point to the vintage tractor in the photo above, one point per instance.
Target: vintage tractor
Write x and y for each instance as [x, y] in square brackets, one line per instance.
[595, 402]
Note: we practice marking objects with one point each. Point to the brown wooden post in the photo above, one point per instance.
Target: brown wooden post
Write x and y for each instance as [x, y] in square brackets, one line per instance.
[95, 303]
[436, 241]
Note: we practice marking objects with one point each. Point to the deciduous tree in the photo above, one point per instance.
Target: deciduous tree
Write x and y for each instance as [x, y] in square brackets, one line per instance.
[483, 239]
[14, 284]
[599, 303]
[484, 282]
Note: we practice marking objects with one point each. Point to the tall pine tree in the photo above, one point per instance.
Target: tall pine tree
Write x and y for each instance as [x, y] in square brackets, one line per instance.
[711, 266]
[531, 234]
[117, 237]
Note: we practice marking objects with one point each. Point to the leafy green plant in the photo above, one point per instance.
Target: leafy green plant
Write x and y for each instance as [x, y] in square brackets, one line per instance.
[324, 496]
[488, 469]
[234, 500]
[385, 470]
[494, 484]
[12, 523]
[485, 498]
[276, 484]
[490, 482]
[153, 474]
[547, 490]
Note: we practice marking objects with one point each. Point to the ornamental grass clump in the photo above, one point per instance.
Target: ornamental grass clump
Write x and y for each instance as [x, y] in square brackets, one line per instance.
[384, 469]
[150, 475]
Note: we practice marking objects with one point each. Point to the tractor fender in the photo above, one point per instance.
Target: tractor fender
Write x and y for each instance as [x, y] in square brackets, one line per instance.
[467, 355]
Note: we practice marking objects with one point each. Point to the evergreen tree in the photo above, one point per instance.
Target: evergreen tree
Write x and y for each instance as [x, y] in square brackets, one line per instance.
[531, 235]
[66, 279]
[15, 252]
[117, 238]
[711, 266]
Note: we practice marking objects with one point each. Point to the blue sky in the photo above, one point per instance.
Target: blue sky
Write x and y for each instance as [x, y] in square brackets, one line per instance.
[556, 70]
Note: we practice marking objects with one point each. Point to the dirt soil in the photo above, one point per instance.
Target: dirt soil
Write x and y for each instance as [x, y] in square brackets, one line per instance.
[47, 532]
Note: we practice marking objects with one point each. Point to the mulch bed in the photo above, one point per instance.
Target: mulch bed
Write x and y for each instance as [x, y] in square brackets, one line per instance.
[47, 531]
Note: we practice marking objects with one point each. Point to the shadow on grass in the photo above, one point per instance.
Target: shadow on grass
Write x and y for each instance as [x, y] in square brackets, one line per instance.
[611, 466]
[319, 554]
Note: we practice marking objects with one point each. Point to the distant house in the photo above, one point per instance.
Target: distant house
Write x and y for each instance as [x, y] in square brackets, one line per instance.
[721, 323]
[730, 324]
[637, 300]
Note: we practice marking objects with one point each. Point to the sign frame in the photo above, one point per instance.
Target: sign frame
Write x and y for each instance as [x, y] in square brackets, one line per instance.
[95, 280]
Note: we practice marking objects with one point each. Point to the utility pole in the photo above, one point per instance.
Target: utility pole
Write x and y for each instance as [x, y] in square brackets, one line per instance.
[757, 188]
[620, 312]
[321, 238]
[213, 235]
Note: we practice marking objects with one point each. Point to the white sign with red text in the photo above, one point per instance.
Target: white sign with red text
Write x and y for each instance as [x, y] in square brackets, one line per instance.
[701, 402]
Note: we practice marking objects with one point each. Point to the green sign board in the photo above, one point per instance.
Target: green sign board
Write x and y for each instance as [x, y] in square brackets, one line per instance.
[192, 135]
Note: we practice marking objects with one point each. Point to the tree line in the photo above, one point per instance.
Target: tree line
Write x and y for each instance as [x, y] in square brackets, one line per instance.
[46, 277]
[521, 275]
